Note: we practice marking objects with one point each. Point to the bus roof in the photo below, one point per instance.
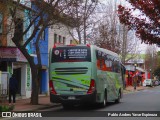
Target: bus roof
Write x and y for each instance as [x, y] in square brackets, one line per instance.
[105, 50]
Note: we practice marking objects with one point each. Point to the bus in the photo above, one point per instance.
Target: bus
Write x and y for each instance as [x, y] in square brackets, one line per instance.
[84, 74]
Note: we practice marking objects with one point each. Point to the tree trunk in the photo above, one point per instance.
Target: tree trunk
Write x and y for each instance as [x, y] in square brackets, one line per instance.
[79, 36]
[35, 86]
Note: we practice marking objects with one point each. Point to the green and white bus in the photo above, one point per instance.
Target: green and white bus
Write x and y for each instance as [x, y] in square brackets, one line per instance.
[84, 74]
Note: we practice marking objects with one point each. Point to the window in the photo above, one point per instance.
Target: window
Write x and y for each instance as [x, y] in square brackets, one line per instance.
[71, 41]
[106, 62]
[19, 27]
[55, 38]
[64, 40]
[109, 62]
[71, 54]
[60, 39]
[43, 35]
[1, 23]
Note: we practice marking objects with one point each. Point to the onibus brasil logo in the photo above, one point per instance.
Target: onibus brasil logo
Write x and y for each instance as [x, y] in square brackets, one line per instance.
[20, 114]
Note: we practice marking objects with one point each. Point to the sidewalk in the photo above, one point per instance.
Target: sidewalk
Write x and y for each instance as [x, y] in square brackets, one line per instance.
[44, 101]
[130, 89]
[24, 104]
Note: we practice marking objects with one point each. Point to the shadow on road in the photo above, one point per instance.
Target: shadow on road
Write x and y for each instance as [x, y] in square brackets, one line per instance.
[88, 107]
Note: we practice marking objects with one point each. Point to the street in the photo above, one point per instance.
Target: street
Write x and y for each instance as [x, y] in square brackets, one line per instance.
[145, 100]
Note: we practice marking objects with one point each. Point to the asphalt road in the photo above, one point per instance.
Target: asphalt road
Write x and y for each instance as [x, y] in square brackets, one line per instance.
[140, 102]
[145, 100]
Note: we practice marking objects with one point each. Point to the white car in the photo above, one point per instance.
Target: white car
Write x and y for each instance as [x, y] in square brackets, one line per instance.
[148, 82]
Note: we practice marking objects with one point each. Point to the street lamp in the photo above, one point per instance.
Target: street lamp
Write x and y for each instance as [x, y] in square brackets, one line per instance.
[135, 65]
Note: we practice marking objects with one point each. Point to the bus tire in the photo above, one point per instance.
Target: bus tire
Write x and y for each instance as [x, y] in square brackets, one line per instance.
[104, 103]
[119, 97]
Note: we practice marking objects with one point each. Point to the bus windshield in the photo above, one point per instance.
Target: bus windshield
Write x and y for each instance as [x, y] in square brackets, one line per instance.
[71, 54]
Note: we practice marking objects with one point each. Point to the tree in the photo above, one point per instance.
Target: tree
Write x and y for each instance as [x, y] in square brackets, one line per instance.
[45, 14]
[112, 35]
[156, 71]
[81, 11]
[146, 23]
[151, 58]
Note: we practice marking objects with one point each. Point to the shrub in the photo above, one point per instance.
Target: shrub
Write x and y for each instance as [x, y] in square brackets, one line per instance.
[6, 108]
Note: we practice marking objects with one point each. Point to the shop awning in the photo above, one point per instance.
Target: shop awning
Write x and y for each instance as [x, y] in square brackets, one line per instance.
[8, 59]
[140, 69]
[130, 67]
[12, 54]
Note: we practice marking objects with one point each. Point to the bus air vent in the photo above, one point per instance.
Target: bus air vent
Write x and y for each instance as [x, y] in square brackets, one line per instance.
[71, 70]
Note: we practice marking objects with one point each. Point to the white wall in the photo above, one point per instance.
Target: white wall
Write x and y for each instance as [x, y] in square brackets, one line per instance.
[23, 79]
[59, 29]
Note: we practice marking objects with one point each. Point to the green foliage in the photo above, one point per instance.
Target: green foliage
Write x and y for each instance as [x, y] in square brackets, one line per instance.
[6, 108]
[147, 31]
[158, 53]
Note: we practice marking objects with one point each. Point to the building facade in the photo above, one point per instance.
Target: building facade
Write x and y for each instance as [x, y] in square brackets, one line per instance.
[135, 69]
[57, 33]
[12, 60]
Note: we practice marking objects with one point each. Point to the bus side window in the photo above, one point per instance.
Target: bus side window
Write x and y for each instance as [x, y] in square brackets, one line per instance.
[101, 64]
[104, 68]
[98, 64]
[116, 66]
[119, 67]
[99, 59]
[108, 63]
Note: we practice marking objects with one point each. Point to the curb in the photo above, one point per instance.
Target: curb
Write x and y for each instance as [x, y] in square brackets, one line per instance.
[133, 91]
[39, 108]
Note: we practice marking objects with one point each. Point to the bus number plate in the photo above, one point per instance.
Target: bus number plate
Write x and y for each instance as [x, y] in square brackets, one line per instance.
[71, 98]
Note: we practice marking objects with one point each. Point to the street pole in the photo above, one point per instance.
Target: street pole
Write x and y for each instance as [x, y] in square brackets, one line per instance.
[135, 79]
[129, 77]
[150, 73]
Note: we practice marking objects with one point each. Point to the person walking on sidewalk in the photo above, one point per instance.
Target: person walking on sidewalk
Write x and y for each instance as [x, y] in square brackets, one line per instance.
[135, 82]
[13, 87]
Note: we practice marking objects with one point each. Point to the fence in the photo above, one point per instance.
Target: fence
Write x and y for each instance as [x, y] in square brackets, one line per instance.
[3, 95]
[4, 78]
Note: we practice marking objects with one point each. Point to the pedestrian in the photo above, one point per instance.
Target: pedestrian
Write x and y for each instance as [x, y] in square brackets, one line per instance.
[13, 87]
[135, 82]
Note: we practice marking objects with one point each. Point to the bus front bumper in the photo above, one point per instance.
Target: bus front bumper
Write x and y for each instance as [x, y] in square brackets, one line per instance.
[74, 99]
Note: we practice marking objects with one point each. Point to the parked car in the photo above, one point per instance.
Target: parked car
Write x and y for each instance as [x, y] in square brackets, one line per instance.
[156, 82]
[149, 82]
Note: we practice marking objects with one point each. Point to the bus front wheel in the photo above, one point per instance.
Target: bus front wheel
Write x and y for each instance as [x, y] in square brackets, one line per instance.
[119, 97]
[103, 104]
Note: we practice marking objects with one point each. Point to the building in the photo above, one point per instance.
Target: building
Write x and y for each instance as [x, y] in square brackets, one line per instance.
[12, 60]
[135, 68]
[54, 34]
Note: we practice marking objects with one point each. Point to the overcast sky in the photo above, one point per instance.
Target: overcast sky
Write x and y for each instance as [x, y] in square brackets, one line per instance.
[143, 46]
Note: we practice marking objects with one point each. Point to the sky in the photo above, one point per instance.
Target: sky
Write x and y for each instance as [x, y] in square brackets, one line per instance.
[143, 46]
